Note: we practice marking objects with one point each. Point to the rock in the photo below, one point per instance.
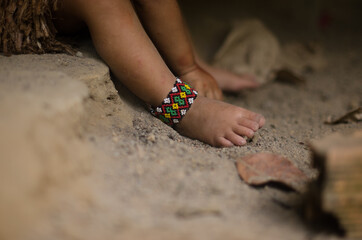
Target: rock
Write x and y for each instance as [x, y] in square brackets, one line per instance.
[79, 54]
[338, 188]
[44, 162]
[151, 138]
[251, 48]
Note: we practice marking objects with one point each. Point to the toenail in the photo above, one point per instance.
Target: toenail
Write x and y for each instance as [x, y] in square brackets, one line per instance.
[250, 134]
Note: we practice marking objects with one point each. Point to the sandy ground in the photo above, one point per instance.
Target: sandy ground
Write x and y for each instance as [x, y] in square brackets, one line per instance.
[108, 170]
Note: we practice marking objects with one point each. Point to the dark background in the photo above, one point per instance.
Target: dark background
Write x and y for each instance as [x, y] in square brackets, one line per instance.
[301, 20]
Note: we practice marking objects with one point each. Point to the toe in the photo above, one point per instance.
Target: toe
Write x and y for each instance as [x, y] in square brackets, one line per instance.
[223, 142]
[256, 118]
[236, 139]
[251, 115]
[248, 82]
[253, 125]
[261, 122]
[244, 131]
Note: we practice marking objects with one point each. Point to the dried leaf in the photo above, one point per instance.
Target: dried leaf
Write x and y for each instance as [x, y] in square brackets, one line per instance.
[262, 168]
[352, 116]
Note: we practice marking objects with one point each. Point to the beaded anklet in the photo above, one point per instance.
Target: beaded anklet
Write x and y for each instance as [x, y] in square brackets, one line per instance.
[176, 104]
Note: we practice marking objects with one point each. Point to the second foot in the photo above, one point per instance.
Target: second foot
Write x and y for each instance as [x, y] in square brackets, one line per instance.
[232, 82]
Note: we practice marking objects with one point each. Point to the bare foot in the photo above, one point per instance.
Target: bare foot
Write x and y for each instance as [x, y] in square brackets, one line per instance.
[229, 81]
[219, 124]
[205, 84]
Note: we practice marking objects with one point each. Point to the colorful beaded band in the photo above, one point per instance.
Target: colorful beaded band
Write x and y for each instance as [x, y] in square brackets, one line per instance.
[176, 104]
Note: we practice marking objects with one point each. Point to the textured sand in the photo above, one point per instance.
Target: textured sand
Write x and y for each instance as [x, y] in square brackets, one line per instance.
[80, 160]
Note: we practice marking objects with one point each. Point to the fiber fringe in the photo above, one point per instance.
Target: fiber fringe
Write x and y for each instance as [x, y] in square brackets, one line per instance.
[26, 27]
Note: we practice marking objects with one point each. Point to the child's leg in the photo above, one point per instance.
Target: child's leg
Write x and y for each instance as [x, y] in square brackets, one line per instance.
[163, 21]
[164, 24]
[120, 40]
[123, 44]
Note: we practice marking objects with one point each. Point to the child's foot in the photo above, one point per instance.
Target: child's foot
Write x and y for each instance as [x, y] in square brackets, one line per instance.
[219, 124]
[204, 83]
[231, 82]
[227, 80]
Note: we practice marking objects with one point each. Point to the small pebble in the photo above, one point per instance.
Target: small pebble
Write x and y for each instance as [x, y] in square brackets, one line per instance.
[79, 54]
[151, 138]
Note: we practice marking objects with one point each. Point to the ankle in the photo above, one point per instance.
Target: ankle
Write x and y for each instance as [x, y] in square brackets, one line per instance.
[176, 105]
[188, 69]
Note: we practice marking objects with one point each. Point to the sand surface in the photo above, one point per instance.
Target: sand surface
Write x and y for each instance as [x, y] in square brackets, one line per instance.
[81, 158]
